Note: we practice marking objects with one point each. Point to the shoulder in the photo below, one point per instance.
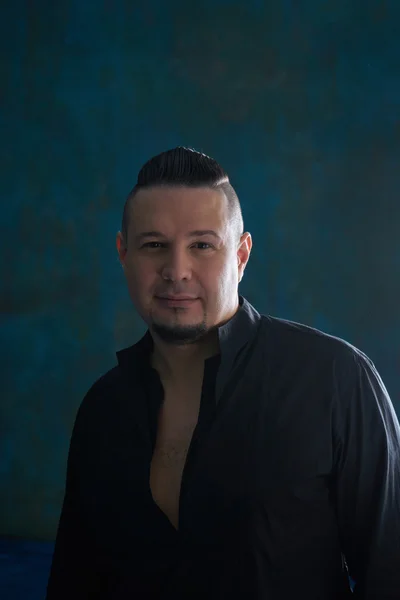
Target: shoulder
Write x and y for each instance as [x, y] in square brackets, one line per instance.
[302, 342]
[103, 387]
[328, 364]
[107, 398]
[98, 400]
[112, 385]
[112, 394]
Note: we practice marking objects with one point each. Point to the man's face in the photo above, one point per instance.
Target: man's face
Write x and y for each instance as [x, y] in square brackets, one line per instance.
[183, 260]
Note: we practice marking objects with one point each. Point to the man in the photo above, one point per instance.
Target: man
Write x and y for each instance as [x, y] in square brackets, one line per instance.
[228, 454]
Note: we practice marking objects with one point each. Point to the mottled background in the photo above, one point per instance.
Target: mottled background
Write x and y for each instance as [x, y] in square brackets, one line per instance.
[299, 100]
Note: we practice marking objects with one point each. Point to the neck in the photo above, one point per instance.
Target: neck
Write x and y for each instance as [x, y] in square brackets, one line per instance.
[182, 362]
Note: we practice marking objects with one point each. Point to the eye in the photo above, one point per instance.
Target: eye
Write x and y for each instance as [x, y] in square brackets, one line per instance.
[154, 245]
[203, 245]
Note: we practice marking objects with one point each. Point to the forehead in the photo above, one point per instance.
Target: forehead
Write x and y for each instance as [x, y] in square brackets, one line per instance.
[177, 208]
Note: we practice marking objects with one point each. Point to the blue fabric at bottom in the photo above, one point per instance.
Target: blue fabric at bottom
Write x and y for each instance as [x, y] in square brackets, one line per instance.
[24, 568]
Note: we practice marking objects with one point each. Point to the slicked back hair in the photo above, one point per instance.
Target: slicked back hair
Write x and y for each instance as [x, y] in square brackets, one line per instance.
[184, 167]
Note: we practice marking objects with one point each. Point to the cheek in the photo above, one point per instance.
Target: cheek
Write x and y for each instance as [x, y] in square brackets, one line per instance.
[141, 279]
[229, 280]
[220, 277]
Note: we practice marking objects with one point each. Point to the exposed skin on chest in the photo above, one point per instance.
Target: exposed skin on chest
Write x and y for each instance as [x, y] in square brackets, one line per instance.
[177, 420]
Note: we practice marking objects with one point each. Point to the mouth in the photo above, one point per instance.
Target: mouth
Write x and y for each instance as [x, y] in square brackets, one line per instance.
[176, 301]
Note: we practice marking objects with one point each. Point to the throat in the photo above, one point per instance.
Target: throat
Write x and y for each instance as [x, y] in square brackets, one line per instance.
[180, 365]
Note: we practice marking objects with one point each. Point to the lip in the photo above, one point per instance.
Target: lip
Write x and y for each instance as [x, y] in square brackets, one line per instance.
[176, 298]
[177, 301]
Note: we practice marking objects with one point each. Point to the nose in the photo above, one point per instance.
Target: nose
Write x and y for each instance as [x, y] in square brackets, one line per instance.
[177, 266]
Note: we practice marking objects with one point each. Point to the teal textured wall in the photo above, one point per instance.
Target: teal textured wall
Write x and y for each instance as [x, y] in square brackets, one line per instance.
[300, 101]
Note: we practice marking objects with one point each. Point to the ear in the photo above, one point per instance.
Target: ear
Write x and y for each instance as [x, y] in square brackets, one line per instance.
[243, 253]
[121, 248]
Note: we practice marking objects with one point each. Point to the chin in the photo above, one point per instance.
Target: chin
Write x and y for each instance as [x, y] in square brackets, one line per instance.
[180, 333]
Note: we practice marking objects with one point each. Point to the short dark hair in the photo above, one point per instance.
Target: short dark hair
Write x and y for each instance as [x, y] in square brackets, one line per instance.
[185, 167]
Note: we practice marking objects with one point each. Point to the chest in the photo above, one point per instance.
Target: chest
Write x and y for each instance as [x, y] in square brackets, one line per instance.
[257, 454]
[177, 420]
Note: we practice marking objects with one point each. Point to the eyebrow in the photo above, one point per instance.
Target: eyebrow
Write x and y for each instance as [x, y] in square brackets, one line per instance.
[196, 233]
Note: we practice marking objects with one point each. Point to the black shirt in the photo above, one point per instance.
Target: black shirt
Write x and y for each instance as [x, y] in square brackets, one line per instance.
[292, 479]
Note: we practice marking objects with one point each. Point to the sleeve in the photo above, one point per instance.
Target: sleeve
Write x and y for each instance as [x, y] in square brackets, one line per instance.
[367, 480]
[75, 571]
